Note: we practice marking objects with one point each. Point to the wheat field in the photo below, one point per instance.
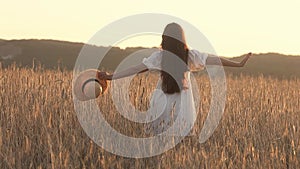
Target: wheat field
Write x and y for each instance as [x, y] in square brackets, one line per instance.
[39, 127]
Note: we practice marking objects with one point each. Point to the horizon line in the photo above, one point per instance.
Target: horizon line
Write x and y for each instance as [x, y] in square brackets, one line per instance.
[122, 48]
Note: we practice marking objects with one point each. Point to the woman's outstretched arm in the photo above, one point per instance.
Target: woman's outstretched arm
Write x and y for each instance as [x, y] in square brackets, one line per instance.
[128, 72]
[214, 60]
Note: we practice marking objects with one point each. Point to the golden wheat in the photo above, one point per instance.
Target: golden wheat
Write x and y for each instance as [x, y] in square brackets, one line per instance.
[39, 127]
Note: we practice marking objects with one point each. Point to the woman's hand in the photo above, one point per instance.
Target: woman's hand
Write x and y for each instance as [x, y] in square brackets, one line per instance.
[246, 58]
[104, 75]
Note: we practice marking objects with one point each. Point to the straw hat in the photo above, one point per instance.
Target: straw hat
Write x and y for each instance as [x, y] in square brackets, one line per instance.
[85, 78]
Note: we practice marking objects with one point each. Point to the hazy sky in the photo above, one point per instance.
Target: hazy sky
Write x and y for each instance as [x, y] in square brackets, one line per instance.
[233, 27]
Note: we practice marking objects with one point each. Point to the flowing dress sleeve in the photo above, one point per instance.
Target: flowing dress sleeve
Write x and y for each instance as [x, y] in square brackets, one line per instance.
[196, 59]
[153, 62]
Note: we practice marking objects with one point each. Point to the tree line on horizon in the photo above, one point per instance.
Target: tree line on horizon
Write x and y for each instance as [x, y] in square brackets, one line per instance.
[53, 54]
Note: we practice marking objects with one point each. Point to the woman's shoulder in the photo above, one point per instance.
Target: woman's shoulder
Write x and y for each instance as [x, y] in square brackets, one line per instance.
[195, 52]
[196, 58]
[154, 60]
[157, 54]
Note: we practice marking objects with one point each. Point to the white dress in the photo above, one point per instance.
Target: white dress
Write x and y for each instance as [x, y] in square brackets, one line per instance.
[174, 113]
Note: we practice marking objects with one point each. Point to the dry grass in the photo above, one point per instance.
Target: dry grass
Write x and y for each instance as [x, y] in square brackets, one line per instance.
[39, 128]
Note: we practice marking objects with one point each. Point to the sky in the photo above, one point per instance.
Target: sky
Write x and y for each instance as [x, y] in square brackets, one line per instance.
[233, 27]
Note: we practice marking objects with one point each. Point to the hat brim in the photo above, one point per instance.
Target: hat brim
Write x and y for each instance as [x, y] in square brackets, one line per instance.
[82, 78]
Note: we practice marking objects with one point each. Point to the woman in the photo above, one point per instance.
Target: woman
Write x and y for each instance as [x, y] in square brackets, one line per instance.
[174, 61]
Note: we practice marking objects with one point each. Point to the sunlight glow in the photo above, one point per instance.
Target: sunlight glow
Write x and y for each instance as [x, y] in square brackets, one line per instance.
[233, 27]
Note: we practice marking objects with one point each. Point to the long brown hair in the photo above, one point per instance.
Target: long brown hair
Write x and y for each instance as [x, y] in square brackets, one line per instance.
[173, 69]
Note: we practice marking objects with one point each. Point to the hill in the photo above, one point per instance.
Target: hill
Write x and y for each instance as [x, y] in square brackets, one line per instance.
[51, 53]
[269, 64]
